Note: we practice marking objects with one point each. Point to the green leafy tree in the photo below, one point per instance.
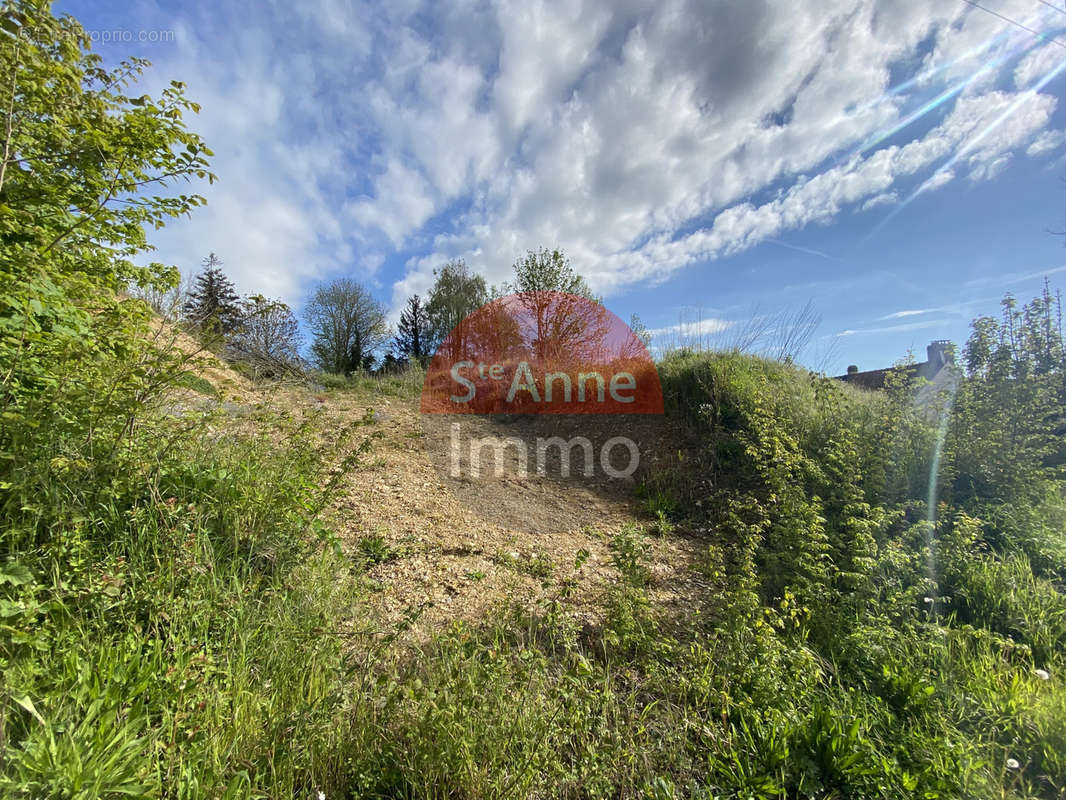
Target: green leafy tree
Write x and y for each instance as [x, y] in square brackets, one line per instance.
[412, 334]
[640, 330]
[213, 305]
[548, 271]
[566, 326]
[1010, 412]
[86, 164]
[347, 325]
[166, 301]
[455, 295]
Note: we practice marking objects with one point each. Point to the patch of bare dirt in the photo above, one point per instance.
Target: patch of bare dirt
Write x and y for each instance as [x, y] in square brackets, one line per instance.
[434, 558]
[211, 380]
[433, 554]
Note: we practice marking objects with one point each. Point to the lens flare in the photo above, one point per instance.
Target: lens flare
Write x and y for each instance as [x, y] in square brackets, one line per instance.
[933, 71]
[942, 172]
[949, 93]
[934, 477]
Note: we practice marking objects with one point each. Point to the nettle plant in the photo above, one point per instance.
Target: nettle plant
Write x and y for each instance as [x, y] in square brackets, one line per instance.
[87, 164]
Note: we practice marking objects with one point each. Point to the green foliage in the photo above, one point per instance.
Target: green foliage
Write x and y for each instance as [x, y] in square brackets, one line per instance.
[163, 591]
[347, 326]
[375, 550]
[413, 339]
[814, 498]
[548, 271]
[191, 380]
[81, 156]
[640, 330]
[177, 620]
[456, 293]
[177, 635]
[212, 306]
[404, 383]
[1009, 419]
[627, 553]
[535, 565]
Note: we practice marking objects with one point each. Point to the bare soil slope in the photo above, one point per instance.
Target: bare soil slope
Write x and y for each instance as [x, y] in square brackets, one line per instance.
[437, 559]
[433, 556]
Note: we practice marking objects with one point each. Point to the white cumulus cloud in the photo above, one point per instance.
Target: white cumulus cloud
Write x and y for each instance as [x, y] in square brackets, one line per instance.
[639, 136]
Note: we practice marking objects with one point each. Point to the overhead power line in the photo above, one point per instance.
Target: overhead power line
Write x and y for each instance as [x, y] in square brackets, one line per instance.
[1052, 5]
[1017, 24]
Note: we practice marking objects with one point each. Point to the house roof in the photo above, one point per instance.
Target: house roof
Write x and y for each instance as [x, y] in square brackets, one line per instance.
[875, 378]
[939, 354]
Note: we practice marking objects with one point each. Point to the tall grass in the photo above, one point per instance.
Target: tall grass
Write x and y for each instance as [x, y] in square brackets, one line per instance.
[405, 383]
[181, 637]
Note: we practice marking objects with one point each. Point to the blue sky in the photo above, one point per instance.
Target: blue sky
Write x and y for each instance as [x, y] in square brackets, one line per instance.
[897, 163]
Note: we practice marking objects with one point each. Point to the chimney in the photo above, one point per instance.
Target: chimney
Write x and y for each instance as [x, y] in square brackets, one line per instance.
[938, 353]
[852, 370]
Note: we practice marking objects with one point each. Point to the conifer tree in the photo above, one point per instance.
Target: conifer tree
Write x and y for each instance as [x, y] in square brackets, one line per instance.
[412, 334]
[213, 303]
[390, 364]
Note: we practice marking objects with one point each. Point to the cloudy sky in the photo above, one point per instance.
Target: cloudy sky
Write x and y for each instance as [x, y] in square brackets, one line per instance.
[897, 163]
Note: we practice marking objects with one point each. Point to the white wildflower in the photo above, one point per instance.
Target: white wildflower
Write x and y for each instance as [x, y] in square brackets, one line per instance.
[927, 599]
[1012, 763]
[1043, 674]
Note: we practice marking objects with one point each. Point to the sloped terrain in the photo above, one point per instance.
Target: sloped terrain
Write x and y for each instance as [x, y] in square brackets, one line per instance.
[433, 559]
[429, 557]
